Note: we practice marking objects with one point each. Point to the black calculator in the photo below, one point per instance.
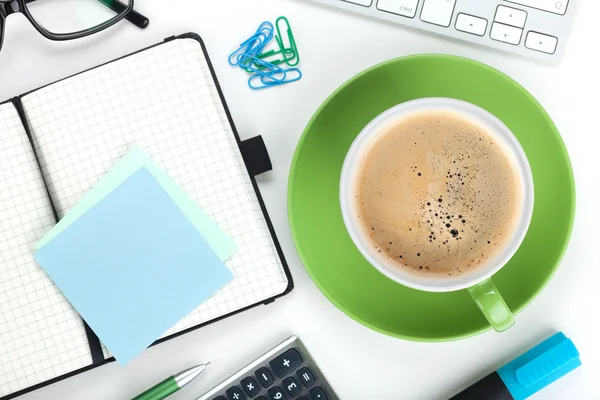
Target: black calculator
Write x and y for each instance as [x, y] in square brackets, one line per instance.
[285, 372]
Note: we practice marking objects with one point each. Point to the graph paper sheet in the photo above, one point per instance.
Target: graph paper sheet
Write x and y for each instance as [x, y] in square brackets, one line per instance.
[41, 336]
[165, 101]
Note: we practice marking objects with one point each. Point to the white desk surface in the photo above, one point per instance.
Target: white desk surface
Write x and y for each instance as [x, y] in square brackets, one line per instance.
[360, 364]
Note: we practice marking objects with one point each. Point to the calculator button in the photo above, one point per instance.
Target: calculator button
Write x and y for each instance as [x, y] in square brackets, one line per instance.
[276, 394]
[286, 363]
[406, 8]
[318, 394]
[264, 377]
[260, 398]
[438, 12]
[235, 393]
[505, 33]
[292, 386]
[219, 398]
[250, 386]
[541, 42]
[511, 16]
[306, 377]
[470, 24]
[302, 398]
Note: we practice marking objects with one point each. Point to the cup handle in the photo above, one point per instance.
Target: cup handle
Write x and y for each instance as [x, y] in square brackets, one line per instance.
[492, 305]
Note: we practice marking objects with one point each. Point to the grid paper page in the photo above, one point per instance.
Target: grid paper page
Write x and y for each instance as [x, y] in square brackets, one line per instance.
[41, 335]
[165, 101]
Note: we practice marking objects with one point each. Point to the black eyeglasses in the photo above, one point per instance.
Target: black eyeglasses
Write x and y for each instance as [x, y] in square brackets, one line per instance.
[71, 19]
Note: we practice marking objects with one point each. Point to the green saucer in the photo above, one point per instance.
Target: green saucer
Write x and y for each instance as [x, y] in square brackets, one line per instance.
[325, 247]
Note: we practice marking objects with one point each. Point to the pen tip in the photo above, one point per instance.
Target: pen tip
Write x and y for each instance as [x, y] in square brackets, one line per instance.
[206, 363]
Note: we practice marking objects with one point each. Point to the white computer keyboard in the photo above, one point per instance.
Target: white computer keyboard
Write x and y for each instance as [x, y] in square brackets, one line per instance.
[532, 28]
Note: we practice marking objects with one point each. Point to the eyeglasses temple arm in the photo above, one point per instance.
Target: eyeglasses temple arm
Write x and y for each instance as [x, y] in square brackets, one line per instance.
[134, 17]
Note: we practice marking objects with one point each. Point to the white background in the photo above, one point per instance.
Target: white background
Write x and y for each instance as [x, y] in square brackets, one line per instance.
[360, 364]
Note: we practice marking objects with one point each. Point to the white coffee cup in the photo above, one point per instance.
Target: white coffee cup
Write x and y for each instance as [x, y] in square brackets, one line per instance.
[477, 280]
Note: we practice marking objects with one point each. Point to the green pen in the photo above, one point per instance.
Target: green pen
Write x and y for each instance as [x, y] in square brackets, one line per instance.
[172, 384]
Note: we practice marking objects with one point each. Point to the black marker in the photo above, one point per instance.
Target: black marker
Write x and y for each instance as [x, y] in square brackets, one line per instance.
[527, 374]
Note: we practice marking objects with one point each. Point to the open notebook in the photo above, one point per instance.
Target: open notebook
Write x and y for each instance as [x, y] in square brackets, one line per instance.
[55, 144]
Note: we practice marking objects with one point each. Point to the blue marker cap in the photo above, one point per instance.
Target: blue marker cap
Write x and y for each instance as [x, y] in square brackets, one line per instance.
[540, 366]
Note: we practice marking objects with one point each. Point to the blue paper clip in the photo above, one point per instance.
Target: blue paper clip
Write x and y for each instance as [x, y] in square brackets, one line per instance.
[274, 81]
[254, 45]
[265, 30]
[266, 26]
[278, 76]
[263, 67]
[271, 80]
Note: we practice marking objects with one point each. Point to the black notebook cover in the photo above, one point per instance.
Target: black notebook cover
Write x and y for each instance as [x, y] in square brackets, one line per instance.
[256, 160]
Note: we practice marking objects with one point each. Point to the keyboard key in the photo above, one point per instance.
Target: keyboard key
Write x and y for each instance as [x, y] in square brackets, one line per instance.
[250, 386]
[406, 8]
[510, 16]
[276, 394]
[306, 376]
[541, 42]
[264, 377]
[235, 393]
[505, 33]
[366, 3]
[438, 12]
[318, 394]
[286, 363]
[470, 24]
[553, 6]
[292, 387]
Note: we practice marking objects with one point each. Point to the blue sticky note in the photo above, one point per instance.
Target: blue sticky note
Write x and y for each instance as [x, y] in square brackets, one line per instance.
[133, 265]
[136, 159]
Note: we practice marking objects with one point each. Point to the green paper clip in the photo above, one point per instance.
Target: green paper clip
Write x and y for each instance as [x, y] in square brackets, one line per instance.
[290, 53]
[273, 53]
[263, 56]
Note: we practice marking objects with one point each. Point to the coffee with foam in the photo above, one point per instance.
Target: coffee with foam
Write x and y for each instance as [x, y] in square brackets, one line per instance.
[437, 194]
